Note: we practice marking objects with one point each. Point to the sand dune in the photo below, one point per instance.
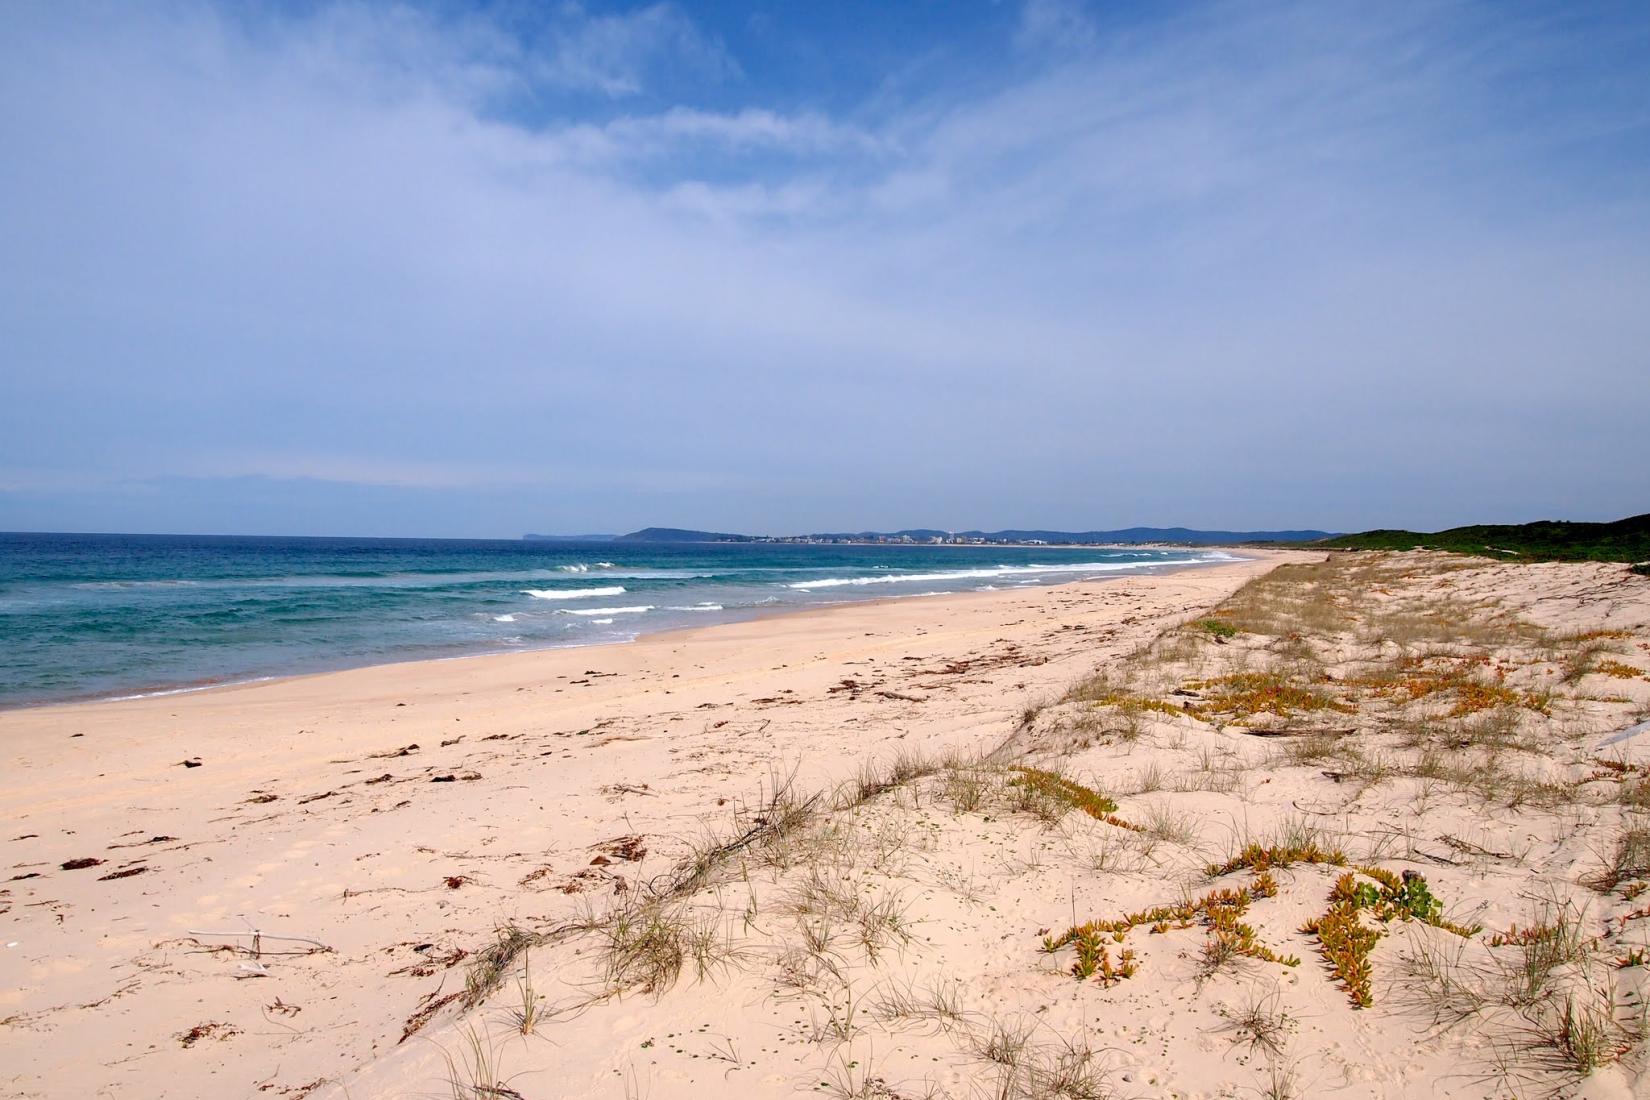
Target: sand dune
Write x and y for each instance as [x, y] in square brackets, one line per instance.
[952, 895]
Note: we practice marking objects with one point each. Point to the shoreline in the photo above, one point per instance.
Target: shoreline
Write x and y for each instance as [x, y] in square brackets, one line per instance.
[757, 614]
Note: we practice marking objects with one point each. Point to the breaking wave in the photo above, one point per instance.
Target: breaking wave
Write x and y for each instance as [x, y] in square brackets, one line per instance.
[571, 593]
[996, 572]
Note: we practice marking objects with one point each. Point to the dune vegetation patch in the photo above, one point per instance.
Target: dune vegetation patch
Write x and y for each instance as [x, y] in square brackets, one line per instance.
[1364, 762]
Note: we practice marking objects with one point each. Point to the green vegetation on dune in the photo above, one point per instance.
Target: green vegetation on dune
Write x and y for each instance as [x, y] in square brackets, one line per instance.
[1545, 540]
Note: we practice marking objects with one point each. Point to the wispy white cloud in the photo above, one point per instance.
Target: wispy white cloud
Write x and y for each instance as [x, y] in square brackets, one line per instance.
[1063, 25]
[612, 53]
[371, 247]
[752, 128]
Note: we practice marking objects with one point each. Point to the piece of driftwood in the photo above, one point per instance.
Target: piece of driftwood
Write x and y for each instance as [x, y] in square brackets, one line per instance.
[1253, 732]
[258, 937]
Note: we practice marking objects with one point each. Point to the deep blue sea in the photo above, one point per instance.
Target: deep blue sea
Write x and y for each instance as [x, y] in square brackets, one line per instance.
[88, 616]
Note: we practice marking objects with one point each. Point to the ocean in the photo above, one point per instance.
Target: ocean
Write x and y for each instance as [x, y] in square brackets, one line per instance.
[96, 616]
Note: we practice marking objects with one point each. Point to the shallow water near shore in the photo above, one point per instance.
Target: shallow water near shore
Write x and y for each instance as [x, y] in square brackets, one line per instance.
[88, 616]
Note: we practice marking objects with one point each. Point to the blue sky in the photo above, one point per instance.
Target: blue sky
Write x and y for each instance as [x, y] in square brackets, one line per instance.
[478, 269]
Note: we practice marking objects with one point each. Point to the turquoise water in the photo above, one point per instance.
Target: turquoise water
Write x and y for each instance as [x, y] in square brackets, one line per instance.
[85, 616]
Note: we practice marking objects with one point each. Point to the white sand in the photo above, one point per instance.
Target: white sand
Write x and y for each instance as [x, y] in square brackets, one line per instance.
[558, 759]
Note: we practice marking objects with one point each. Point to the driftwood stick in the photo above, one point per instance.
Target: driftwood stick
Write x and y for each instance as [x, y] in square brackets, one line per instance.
[259, 936]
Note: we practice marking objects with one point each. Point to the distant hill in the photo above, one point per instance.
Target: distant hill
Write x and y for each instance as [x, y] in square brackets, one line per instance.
[1160, 534]
[1545, 540]
[1182, 535]
[677, 534]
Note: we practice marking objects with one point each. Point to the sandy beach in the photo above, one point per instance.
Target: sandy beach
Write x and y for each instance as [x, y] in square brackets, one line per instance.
[567, 873]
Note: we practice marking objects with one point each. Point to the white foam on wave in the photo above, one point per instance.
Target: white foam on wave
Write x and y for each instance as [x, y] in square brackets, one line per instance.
[504, 618]
[604, 565]
[698, 607]
[572, 593]
[576, 567]
[93, 586]
[639, 609]
[1009, 572]
[602, 622]
[402, 579]
[190, 690]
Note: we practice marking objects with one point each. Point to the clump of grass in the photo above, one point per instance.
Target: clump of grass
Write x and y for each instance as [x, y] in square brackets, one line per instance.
[1102, 691]
[1256, 857]
[1262, 1024]
[776, 817]
[828, 903]
[1150, 780]
[1628, 859]
[1634, 794]
[881, 923]
[1004, 1043]
[525, 1016]
[1137, 704]
[490, 965]
[1069, 793]
[1036, 800]
[855, 1079]
[646, 947]
[1065, 1070]
[1553, 941]
[708, 941]
[1161, 823]
[1230, 939]
[1619, 670]
[1442, 981]
[1281, 1081]
[1583, 1037]
[1094, 960]
[1070, 1071]
[1310, 749]
[1586, 650]
[1584, 1033]
[476, 1074]
[966, 788]
[1478, 694]
[1462, 678]
[940, 1003]
[872, 781]
[1110, 852]
[1216, 627]
[1219, 911]
[1245, 694]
